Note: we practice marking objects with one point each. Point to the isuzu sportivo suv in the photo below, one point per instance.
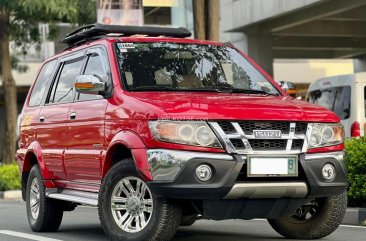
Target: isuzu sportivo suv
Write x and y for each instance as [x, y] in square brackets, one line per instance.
[158, 131]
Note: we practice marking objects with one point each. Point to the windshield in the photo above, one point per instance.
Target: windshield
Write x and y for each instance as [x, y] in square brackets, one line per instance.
[188, 67]
[336, 99]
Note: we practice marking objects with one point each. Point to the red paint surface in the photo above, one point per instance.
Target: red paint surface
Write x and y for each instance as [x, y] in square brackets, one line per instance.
[77, 152]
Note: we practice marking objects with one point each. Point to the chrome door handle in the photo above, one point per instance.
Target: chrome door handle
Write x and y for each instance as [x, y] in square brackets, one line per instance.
[73, 116]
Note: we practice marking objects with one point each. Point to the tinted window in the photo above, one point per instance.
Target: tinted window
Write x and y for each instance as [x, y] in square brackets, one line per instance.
[40, 86]
[336, 99]
[187, 67]
[94, 67]
[63, 90]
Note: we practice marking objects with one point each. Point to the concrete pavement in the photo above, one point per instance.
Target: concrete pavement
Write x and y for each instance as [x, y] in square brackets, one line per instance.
[83, 224]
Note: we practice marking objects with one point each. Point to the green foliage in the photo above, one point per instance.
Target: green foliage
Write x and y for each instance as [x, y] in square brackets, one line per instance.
[20, 68]
[9, 177]
[356, 157]
[27, 14]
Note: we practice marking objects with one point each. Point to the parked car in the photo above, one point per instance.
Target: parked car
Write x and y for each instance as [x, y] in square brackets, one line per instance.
[158, 130]
[345, 95]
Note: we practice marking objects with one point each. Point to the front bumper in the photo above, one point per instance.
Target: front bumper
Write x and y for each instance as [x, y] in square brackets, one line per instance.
[174, 177]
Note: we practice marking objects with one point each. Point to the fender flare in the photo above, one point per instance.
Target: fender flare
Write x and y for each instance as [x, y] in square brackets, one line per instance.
[35, 149]
[133, 142]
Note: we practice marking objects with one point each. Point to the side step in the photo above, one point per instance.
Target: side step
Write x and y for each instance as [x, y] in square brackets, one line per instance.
[87, 198]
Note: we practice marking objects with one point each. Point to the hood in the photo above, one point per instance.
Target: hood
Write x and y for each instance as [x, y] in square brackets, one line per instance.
[234, 106]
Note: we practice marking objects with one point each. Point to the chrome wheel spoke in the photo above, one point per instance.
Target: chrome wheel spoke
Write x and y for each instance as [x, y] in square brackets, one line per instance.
[148, 209]
[34, 197]
[142, 192]
[147, 202]
[119, 200]
[125, 191]
[131, 204]
[138, 186]
[33, 202]
[128, 185]
[137, 221]
[118, 207]
[34, 208]
[127, 223]
[34, 189]
[142, 219]
[123, 218]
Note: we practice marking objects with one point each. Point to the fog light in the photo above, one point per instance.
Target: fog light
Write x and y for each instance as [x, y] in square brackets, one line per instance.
[328, 172]
[204, 172]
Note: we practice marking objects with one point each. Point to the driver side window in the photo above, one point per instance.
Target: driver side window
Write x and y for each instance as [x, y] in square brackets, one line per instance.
[63, 88]
[94, 66]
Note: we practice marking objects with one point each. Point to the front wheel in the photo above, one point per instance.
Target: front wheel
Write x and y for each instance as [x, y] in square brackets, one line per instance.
[128, 210]
[314, 220]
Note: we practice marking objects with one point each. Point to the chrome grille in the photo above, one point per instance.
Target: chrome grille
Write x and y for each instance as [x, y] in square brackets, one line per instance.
[262, 145]
[238, 136]
[249, 126]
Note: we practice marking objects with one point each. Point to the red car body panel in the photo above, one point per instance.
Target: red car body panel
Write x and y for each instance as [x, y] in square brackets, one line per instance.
[79, 151]
[85, 141]
[52, 137]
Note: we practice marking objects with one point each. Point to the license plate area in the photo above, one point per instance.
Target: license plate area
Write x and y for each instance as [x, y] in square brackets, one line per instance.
[274, 166]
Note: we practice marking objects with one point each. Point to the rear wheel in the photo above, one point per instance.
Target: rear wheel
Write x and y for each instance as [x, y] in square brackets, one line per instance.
[44, 214]
[128, 210]
[314, 220]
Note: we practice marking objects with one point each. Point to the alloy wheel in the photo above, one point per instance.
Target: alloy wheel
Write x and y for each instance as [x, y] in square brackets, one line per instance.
[131, 204]
[34, 198]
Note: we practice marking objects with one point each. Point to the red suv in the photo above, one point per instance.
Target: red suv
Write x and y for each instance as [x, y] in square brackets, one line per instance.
[158, 131]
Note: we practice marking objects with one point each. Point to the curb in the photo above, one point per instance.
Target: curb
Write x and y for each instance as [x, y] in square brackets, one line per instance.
[11, 195]
[355, 216]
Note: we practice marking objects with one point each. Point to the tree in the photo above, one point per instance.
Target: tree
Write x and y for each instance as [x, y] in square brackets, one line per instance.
[19, 21]
[206, 19]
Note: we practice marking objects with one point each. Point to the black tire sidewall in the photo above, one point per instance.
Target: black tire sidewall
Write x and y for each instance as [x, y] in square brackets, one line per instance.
[35, 173]
[116, 174]
[323, 224]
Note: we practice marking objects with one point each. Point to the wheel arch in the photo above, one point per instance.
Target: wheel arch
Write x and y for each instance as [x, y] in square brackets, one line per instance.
[127, 144]
[33, 156]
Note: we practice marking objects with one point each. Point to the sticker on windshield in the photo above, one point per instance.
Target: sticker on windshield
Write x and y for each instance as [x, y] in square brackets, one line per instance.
[125, 46]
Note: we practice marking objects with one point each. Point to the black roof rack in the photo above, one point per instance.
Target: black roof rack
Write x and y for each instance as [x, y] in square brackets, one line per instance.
[96, 30]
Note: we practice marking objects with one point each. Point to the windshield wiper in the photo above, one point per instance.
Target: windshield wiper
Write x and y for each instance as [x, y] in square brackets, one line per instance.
[247, 91]
[220, 89]
[153, 87]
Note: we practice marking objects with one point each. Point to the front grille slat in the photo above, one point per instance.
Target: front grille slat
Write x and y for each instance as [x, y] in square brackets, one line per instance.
[249, 126]
[244, 141]
[263, 145]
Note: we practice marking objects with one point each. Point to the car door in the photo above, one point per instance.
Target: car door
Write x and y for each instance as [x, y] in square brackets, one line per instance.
[29, 118]
[53, 117]
[86, 125]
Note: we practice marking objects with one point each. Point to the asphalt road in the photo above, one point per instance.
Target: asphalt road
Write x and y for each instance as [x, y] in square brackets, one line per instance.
[83, 224]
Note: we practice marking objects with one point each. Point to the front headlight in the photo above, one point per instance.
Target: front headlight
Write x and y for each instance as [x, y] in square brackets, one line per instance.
[184, 132]
[323, 134]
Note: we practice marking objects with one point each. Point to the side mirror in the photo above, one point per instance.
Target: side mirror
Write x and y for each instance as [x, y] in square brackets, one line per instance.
[288, 87]
[89, 84]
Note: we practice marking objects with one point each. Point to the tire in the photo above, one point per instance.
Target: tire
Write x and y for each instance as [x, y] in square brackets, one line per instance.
[325, 217]
[159, 225]
[46, 214]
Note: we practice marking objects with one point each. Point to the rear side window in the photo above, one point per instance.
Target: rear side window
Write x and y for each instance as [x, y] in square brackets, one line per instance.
[336, 99]
[63, 88]
[40, 86]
